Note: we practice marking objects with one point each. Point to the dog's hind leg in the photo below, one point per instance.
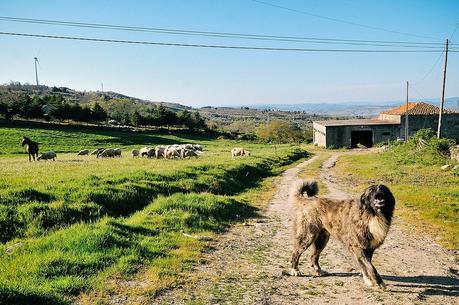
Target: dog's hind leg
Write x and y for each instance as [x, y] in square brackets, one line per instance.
[317, 247]
[302, 242]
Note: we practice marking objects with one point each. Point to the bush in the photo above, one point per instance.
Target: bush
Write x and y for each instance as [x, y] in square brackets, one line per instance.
[423, 147]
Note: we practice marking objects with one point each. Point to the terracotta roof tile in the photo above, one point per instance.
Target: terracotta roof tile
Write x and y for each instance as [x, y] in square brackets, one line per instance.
[419, 108]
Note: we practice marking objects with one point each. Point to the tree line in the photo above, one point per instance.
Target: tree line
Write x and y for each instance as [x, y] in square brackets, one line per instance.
[117, 111]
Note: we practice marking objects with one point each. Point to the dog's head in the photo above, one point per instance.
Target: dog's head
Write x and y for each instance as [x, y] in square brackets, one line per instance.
[378, 199]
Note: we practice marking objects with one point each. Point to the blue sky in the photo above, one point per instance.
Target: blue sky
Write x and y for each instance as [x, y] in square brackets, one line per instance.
[200, 77]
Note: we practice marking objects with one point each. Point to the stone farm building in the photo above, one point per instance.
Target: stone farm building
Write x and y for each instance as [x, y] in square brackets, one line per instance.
[389, 125]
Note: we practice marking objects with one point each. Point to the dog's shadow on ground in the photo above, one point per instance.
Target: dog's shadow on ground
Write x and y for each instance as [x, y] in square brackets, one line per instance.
[423, 285]
[432, 284]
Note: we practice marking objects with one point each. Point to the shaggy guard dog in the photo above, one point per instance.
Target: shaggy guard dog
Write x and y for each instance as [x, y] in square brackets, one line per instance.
[360, 224]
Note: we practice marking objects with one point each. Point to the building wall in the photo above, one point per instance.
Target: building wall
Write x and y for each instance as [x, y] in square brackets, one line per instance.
[389, 117]
[450, 124]
[319, 135]
[340, 136]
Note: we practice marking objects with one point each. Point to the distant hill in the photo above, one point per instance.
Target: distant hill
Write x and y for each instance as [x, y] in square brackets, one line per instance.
[366, 109]
[83, 96]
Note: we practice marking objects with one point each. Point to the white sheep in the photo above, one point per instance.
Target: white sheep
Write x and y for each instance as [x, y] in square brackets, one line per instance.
[188, 153]
[197, 147]
[239, 151]
[47, 156]
[172, 152]
[83, 152]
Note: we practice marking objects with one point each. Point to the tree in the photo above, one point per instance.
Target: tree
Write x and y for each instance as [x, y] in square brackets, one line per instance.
[278, 131]
[4, 109]
[135, 118]
[33, 109]
[98, 113]
[184, 118]
[85, 114]
[197, 121]
[161, 116]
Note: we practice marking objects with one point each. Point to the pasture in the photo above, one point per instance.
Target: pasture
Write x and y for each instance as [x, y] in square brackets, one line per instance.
[71, 229]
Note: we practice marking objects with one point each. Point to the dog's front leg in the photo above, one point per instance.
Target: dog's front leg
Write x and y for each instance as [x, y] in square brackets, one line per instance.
[371, 277]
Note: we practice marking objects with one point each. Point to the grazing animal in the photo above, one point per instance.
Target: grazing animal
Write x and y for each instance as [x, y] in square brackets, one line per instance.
[106, 153]
[239, 151]
[361, 224]
[117, 152]
[83, 152]
[159, 151]
[197, 147]
[49, 155]
[97, 151]
[32, 147]
[147, 152]
[135, 153]
[188, 153]
[172, 152]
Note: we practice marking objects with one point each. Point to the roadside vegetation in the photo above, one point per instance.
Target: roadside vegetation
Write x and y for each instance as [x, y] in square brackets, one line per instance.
[427, 196]
[76, 228]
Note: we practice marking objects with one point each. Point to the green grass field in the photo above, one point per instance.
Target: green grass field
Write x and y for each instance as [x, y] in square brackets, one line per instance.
[76, 227]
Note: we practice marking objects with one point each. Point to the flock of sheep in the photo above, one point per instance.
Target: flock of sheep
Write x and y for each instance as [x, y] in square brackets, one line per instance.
[173, 151]
[169, 151]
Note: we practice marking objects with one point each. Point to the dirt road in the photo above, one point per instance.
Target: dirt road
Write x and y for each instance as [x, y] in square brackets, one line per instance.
[247, 265]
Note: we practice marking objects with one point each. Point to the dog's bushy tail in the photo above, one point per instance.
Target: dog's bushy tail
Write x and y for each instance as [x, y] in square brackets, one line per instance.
[304, 188]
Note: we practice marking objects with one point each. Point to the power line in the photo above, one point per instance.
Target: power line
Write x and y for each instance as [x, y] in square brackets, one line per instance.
[439, 57]
[220, 46]
[454, 32]
[381, 43]
[340, 20]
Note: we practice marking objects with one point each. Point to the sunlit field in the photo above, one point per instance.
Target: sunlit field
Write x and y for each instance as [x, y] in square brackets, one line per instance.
[72, 228]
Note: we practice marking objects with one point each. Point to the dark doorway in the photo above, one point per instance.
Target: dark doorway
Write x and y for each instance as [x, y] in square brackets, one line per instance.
[364, 137]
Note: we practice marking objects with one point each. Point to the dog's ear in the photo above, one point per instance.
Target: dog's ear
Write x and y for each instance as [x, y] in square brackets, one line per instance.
[388, 195]
[365, 200]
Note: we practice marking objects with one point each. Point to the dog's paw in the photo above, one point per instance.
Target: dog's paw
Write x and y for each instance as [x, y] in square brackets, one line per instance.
[295, 272]
[367, 281]
[320, 272]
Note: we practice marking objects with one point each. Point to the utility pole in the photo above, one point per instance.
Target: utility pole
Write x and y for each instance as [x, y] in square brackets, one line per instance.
[406, 113]
[102, 85]
[443, 91]
[36, 72]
